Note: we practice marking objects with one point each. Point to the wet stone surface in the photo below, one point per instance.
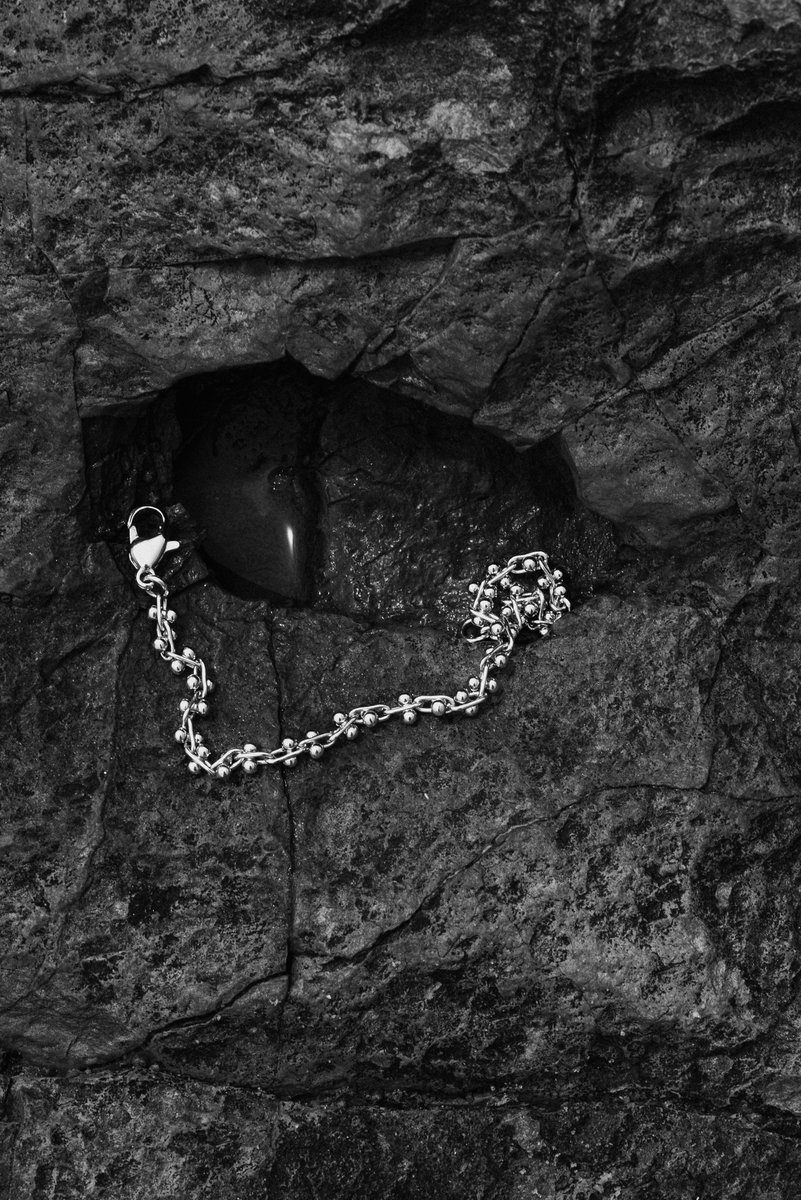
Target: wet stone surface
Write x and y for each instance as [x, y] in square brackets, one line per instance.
[422, 287]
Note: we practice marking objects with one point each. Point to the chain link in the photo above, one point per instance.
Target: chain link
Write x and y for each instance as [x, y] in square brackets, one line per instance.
[502, 606]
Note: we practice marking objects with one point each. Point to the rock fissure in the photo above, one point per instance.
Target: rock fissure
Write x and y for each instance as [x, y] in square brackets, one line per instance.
[98, 833]
[291, 900]
[388, 936]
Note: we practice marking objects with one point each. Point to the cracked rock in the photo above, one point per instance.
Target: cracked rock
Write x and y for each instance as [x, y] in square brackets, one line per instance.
[537, 266]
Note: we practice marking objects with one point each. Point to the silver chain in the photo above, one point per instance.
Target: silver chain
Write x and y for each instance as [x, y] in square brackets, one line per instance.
[504, 603]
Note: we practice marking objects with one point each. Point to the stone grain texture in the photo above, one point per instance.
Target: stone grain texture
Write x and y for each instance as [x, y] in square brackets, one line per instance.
[541, 264]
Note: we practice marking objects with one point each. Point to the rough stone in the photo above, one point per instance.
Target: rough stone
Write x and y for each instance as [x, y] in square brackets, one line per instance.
[537, 265]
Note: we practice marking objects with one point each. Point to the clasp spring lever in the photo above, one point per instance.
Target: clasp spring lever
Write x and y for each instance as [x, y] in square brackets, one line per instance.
[148, 549]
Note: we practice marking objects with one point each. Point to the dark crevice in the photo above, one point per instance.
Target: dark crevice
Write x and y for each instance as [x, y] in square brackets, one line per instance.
[512, 1090]
[338, 495]
[420, 248]
[417, 19]
[625, 90]
[142, 1048]
[209, 1014]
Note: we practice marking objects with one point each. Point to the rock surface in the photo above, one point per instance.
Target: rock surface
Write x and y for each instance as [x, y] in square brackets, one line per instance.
[534, 268]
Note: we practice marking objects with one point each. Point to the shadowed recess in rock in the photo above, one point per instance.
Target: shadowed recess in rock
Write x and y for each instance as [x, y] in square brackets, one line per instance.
[340, 494]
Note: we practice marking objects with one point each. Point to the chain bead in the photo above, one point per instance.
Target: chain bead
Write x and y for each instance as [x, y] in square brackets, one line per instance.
[521, 606]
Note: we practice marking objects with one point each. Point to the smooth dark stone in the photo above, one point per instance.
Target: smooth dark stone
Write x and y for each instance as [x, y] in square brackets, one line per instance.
[242, 476]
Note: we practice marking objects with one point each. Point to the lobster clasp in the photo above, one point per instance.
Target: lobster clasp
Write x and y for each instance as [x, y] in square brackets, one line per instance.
[147, 549]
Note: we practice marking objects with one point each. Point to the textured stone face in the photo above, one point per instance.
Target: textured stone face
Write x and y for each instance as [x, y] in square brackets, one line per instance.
[480, 278]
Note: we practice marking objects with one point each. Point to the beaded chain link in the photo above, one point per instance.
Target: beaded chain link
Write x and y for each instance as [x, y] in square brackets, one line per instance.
[525, 594]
